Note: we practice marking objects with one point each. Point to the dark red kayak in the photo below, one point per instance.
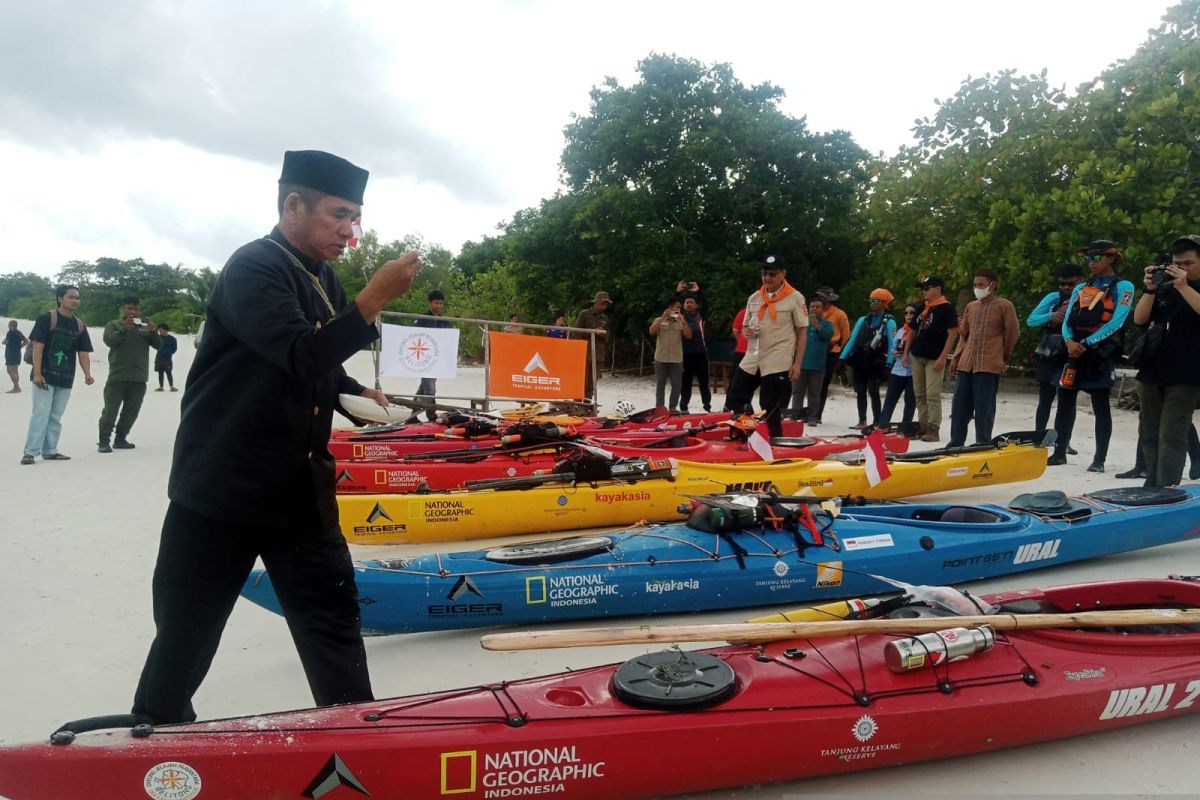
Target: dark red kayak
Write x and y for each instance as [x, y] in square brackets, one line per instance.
[397, 441]
[667, 722]
[410, 473]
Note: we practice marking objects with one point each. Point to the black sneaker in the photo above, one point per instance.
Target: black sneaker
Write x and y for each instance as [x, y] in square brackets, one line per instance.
[1056, 459]
[1131, 473]
[26, 459]
[104, 447]
[123, 444]
[1096, 466]
[1071, 451]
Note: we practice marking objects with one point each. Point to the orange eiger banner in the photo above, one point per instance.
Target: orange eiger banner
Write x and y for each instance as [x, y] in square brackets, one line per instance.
[536, 367]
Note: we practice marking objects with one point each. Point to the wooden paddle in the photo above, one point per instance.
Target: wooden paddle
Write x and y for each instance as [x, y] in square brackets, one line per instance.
[741, 632]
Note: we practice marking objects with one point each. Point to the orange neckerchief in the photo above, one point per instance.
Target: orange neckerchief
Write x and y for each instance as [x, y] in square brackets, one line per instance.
[769, 302]
[930, 306]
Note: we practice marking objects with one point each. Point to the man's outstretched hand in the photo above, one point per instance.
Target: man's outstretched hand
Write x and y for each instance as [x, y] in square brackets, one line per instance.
[390, 281]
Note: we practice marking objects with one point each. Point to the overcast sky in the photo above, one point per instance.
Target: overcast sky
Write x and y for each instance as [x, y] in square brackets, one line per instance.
[156, 129]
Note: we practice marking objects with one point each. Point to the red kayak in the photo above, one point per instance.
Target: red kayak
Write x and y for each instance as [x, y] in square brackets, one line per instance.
[668, 722]
[409, 474]
[393, 444]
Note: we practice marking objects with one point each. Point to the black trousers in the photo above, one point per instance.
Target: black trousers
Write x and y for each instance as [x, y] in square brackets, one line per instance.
[774, 396]
[695, 365]
[1064, 420]
[202, 565]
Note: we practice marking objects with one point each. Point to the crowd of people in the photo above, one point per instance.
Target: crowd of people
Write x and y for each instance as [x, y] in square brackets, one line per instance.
[788, 350]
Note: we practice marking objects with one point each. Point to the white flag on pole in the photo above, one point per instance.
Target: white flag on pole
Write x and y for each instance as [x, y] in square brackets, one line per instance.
[409, 352]
[760, 445]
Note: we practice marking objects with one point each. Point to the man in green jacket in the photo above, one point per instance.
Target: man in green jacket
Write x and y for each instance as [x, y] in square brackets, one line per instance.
[129, 340]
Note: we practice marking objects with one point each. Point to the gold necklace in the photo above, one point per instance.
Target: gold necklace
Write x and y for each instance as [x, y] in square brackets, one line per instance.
[312, 278]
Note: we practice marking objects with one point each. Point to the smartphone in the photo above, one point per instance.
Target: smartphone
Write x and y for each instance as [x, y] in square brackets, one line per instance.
[138, 321]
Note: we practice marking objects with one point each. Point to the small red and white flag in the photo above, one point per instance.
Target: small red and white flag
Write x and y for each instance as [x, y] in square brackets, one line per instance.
[876, 460]
[356, 233]
[760, 445]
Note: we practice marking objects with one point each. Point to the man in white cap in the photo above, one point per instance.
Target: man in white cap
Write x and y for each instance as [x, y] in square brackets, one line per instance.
[252, 475]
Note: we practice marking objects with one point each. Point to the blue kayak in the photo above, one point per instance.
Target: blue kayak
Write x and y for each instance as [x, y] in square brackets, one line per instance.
[751, 550]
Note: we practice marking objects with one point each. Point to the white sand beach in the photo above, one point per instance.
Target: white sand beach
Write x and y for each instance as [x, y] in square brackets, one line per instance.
[82, 535]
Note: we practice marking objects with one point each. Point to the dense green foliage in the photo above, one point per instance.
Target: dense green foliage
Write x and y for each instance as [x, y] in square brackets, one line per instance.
[1016, 175]
[688, 174]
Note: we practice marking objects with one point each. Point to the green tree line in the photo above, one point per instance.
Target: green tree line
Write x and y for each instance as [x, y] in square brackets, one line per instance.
[689, 174]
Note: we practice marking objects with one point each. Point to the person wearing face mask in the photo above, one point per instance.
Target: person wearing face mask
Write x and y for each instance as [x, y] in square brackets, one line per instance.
[1092, 331]
[1051, 351]
[988, 332]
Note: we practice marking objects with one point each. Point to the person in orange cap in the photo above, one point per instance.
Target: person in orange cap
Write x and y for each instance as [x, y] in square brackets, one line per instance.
[868, 351]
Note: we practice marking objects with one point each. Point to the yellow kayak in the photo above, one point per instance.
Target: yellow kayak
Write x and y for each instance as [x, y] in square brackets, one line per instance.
[653, 490]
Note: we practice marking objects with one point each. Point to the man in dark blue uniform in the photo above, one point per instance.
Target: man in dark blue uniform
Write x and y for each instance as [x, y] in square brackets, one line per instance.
[252, 474]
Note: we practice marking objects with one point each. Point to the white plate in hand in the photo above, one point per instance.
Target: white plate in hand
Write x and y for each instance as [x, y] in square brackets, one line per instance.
[368, 409]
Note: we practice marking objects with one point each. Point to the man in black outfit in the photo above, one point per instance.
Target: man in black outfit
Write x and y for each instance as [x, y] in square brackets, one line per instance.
[695, 348]
[428, 386]
[252, 474]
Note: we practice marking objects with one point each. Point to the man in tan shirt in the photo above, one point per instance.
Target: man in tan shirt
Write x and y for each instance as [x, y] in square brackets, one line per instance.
[988, 331]
[776, 327]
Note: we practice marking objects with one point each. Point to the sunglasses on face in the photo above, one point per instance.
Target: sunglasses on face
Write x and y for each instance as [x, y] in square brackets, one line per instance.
[1095, 258]
[875, 300]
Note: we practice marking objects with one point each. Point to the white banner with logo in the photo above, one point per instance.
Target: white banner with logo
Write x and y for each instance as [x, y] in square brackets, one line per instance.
[408, 352]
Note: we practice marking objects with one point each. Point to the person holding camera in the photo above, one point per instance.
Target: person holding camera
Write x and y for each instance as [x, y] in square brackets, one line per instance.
[1092, 331]
[1169, 371]
[695, 347]
[1051, 351]
[129, 340]
[669, 331]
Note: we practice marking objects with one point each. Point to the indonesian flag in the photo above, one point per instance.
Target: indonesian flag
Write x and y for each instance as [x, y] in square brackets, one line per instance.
[356, 229]
[876, 460]
[760, 445]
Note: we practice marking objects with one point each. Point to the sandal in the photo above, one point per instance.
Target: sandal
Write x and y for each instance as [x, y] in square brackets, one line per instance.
[55, 457]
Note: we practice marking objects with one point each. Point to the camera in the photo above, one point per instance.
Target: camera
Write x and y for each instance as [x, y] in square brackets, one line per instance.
[1159, 275]
[138, 321]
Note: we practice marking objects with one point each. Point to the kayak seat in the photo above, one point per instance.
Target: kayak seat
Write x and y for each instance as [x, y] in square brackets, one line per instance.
[968, 514]
[791, 441]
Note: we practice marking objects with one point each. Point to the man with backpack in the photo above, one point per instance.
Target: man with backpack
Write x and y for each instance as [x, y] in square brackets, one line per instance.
[868, 351]
[58, 338]
[988, 332]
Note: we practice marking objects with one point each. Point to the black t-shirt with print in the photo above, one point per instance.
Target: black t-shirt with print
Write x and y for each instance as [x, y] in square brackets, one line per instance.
[933, 330]
[58, 357]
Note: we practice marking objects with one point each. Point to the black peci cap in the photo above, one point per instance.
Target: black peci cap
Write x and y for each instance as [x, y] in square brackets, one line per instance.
[930, 282]
[325, 172]
[773, 263]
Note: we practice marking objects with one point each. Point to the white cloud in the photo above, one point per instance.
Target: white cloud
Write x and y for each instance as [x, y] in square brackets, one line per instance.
[133, 128]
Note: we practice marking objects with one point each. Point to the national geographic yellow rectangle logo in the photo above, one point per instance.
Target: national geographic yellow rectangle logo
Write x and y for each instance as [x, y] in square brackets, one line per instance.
[535, 590]
[381, 477]
[358, 450]
[458, 771]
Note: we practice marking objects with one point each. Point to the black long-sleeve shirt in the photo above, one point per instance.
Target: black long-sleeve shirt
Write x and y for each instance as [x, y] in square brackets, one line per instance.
[252, 445]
